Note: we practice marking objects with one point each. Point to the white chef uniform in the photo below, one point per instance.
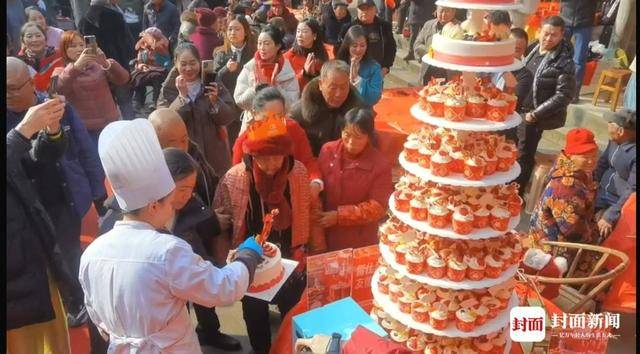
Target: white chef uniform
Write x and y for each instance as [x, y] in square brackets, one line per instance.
[136, 280]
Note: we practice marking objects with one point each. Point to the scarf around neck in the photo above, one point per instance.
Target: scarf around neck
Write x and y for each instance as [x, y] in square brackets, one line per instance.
[264, 70]
[272, 192]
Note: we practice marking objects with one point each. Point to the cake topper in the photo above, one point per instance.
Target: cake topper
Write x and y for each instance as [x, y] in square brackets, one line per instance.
[267, 222]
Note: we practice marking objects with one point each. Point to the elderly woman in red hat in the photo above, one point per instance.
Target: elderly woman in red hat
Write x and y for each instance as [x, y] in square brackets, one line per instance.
[565, 211]
[268, 178]
[206, 36]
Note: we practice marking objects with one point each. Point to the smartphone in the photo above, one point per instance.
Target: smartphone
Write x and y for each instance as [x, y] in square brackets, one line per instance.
[53, 87]
[208, 75]
[90, 42]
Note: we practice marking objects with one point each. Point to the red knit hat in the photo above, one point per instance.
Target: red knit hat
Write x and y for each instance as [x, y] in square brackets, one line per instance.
[275, 145]
[580, 141]
[205, 17]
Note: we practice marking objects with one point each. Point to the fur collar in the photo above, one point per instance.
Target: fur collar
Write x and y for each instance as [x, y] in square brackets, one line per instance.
[313, 107]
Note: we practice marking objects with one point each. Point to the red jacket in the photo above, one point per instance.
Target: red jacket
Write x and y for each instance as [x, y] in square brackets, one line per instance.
[206, 40]
[359, 190]
[297, 62]
[301, 149]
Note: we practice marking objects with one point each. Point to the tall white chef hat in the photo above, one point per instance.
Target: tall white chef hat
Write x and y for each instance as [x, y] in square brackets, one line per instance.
[133, 161]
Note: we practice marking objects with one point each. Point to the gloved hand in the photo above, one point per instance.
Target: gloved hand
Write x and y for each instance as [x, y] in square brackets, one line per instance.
[251, 244]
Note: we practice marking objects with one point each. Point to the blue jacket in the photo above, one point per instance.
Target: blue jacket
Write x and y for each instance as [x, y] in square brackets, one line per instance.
[616, 172]
[370, 83]
[83, 176]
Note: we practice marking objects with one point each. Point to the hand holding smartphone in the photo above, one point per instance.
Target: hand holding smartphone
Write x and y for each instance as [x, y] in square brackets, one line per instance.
[207, 73]
[90, 42]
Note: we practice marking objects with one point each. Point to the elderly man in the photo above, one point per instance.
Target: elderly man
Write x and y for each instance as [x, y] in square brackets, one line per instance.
[76, 181]
[382, 45]
[422, 43]
[616, 170]
[324, 102]
[554, 86]
[34, 319]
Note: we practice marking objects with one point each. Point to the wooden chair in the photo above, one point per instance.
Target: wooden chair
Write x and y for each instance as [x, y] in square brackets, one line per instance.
[579, 298]
[619, 77]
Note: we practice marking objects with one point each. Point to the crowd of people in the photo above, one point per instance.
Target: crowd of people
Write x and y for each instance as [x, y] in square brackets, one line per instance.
[187, 160]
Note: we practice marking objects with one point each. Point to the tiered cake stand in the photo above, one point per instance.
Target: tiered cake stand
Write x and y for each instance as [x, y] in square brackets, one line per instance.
[501, 321]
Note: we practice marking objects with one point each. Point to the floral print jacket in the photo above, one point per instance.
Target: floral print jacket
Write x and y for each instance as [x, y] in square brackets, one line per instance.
[565, 209]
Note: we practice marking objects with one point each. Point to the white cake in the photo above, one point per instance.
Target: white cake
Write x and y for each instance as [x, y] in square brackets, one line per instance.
[472, 53]
[269, 272]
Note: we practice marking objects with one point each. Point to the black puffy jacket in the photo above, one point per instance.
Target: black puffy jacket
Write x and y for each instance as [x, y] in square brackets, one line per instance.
[30, 237]
[578, 13]
[554, 86]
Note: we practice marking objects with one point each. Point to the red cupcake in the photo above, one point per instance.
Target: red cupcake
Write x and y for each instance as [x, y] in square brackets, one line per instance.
[439, 216]
[454, 109]
[438, 316]
[506, 154]
[457, 160]
[456, 269]
[415, 262]
[465, 320]
[419, 209]
[419, 312]
[436, 266]
[482, 314]
[514, 204]
[475, 267]
[491, 162]
[411, 148]
[499, 218]
[512, 102]
[439, 164]
[402, 199]
[494, 266]
[424, 157]
[476, 107]
[395, 291]
[400, 253]
[481, 218]
[434, 105]
[474, 167]
[497, 110]
[404, 303]
[462, 220]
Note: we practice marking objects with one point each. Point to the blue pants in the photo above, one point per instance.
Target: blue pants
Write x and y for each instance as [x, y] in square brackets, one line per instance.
[580, 50]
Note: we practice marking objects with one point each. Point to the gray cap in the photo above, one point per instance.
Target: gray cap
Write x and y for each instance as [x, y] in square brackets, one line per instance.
[624, 118]
[366, 2]
[336, 3]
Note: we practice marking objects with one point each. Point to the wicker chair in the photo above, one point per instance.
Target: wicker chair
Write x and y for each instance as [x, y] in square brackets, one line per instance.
[591, 285]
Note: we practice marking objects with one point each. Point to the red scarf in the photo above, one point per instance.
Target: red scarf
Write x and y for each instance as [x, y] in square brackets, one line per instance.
[271, 190]
[264, 70]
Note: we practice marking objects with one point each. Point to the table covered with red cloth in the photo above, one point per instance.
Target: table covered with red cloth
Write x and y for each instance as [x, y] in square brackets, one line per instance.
[283, 341]
[394, 122]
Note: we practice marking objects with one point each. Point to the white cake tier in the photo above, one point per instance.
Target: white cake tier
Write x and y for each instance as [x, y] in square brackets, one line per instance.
[446, 283]
[470, 124]
[458, 179]
[481, 4]
[517, 64]
[491, 326]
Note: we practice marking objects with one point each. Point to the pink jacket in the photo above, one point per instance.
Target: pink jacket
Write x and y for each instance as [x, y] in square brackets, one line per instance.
[89, 93]
[233, 196]
[359, 190]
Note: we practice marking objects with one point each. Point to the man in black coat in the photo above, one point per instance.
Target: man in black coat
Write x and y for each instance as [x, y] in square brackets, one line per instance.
[578, 16]
[335, 16]
[419, 12]
[554, 86]
[35, 144]
[105, 21]
[382, 45]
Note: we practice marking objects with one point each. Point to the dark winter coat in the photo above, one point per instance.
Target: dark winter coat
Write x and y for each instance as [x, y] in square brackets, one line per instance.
[578, 13]
[382, 45]
[111, 31]
[332, 26]
[167, 19]
[420, 11]
[206, 40]
[220, 59]
[554, 86]
[78, 177]
[30, 235]
[321, 123]
[205, 123]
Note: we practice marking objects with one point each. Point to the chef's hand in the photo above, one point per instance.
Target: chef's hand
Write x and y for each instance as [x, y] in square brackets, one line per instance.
[224, 220]
[181, 85]
[328, 219]
[604, 227]
[251, 244]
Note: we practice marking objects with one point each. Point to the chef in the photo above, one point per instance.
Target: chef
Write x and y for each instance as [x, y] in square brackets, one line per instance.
[136, 279]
